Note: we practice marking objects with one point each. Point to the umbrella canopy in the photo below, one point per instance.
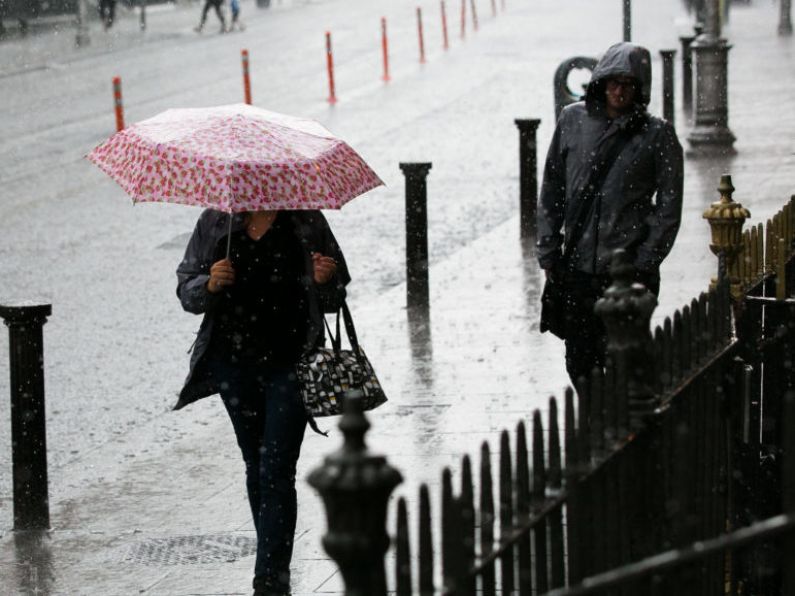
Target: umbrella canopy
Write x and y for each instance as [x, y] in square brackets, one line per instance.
[234, 158]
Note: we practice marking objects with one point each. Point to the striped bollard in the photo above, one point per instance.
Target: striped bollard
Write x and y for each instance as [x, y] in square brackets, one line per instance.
[463, 19]
[444, 26]
[421, 37]
[246, 78]
[117, 104]
[384, 50]
[332, 95]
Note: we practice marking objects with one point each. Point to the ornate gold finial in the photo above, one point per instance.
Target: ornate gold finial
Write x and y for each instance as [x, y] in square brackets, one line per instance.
[726, 219]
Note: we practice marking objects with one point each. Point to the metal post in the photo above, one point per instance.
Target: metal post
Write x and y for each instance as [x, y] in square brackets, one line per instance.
[687, 74]
[417, 286]
[355, 486]
[627, 20]
[785, 17]
[711, 132]
[28, 432]
[528, 176]
[668, 84]
[726, 218]
[82, 39]
[142, 22]
[626, 310]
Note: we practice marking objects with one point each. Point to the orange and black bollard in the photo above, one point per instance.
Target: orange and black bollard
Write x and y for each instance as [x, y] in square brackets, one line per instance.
[444, 26]
[384, 50]
[246, 77]
[422, 39]
[332, 96]
[463, 19]
[117, 103]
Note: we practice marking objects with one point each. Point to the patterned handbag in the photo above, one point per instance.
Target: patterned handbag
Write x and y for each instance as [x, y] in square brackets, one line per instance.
[327, 374]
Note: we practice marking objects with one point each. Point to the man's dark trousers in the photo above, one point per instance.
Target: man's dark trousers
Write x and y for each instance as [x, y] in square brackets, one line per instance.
[586, 337]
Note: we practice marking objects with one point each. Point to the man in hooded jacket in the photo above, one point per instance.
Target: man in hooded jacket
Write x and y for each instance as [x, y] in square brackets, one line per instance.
[613, 179]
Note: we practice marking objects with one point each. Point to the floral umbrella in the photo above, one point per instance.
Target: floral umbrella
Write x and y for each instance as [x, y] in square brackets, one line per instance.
[234, 158]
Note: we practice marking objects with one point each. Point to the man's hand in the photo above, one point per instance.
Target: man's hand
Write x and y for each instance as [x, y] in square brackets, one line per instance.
[221, 275]
[324, 268]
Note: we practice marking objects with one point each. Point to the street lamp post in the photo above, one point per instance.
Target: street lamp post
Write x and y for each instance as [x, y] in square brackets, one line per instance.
[711, 133]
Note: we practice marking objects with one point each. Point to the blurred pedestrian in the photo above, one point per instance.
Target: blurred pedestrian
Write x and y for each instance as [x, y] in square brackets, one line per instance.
[208, 4]
[263, 308]
[234, 6]
[613, 179]
[107, 12]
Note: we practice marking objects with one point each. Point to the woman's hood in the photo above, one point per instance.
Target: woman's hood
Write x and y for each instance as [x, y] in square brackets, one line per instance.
[624, 60]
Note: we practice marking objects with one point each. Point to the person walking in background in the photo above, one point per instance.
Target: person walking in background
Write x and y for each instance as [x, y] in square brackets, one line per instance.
[107, 12]
[234, 6]
[613, 178]
[263, 308]
[208, 4]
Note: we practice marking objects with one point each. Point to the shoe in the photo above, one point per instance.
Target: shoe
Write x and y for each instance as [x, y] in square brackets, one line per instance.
[198, 29]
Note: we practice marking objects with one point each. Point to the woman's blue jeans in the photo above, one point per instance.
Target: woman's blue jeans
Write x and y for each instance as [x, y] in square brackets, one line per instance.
[267, 413]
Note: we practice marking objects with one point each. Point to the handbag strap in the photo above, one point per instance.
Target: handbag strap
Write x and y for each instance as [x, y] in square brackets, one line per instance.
[350, 330]
[336, 339]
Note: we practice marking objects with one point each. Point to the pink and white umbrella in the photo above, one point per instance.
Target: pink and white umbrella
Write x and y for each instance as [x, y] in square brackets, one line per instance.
[234, 158]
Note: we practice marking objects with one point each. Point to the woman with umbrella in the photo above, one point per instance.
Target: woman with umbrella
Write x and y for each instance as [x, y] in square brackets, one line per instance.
[261, 266]
[262, 309]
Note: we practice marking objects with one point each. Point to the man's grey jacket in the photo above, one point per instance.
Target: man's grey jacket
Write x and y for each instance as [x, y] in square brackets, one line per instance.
[625, 213]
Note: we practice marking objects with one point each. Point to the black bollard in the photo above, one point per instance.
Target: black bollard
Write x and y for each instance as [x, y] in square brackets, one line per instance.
[785, 18]
[687, 74]
[142, 21]
[668, 84]
[627, 20]
[28, 432]
[417, 287]
[528, 176]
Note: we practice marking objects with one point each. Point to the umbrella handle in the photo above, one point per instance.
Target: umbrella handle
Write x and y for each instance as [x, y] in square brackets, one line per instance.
[229, 237]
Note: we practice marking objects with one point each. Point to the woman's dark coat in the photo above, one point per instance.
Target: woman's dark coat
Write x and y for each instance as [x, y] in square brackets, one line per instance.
[193, 272]
[625, 214]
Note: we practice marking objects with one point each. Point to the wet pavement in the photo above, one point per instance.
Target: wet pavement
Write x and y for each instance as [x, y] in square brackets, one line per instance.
[146, 501]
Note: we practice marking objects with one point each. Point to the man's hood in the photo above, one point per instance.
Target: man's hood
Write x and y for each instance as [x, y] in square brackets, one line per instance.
[622, 60]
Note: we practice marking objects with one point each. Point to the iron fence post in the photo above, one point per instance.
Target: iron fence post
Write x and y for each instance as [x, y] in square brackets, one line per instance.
[528, 175]
[28, 429]
[417, 285]
[668, 84]
[355, 486]
[626, 310]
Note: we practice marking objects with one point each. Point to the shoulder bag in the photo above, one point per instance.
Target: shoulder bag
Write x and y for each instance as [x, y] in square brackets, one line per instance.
[326, 375]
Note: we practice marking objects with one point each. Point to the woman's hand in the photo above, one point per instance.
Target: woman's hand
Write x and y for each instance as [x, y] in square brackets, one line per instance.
[221, 275]
[324, 268]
